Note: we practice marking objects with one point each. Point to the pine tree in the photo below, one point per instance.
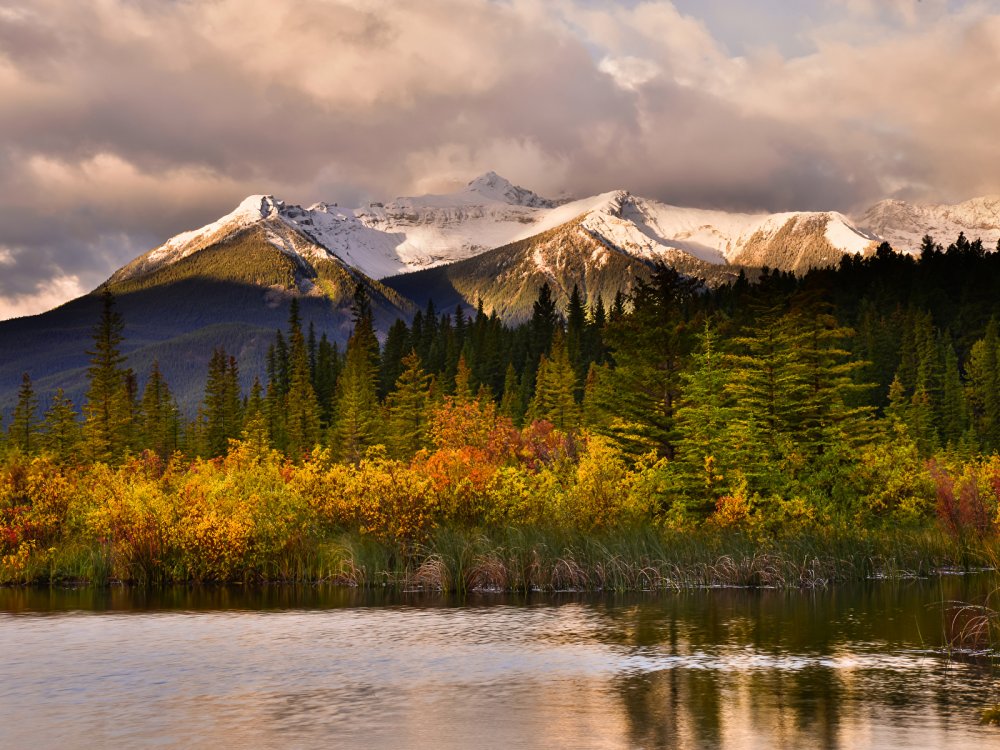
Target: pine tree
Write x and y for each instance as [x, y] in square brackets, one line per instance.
[407, 409]
[555, 389]
[463, 382]
[61, 431]
[707, 459]
[510, 400]
[159, 418]
[325, 382]
[649, 345]
[23, 432]
[576, 331]
[107, 408]
[222, 406]
[830, 406]
[302, 414]
[770, 384]
[983, 370]
[954, 413]
[255, 422]
[356, 424]
[397, 345]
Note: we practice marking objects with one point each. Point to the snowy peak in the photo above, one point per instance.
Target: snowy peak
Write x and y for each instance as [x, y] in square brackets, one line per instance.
[413, 233]
[496, 188]
[255, 207]
[903, 224]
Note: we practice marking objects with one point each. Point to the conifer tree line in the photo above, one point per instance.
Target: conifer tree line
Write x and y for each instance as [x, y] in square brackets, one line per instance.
[775, 382]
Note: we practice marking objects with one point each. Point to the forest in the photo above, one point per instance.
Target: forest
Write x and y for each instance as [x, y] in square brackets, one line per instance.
[780, 430]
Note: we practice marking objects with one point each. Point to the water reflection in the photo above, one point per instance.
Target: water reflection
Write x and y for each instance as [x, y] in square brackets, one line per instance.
[315, 666]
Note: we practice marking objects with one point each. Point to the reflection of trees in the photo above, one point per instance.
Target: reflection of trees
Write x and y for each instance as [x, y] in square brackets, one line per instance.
[710, 693]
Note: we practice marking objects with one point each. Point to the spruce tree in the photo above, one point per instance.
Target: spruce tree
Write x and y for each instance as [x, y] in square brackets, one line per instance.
[576, 331]
[983, 370]
[60, 430]
[463, 382]
[302, 413]
[707, 459]
[649, 345]
[555, 389]
[407, 409]
[23, 433]
[107, 408]
[954, 412]
[510, 399]
[255, 422]
[159, 419]
[356, 424]
[222, 407]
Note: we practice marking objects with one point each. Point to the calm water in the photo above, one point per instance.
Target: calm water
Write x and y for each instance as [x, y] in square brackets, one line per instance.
[851, 667]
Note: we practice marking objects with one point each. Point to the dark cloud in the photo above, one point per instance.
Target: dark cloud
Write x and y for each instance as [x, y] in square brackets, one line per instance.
[125, 122]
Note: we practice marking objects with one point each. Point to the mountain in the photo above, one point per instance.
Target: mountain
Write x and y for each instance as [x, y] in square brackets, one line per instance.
[506, 279]
[903, 225]
[230, 282]
[227, 284]
[415, 233]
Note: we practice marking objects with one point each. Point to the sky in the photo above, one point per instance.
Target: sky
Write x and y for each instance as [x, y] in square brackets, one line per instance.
[124, 122]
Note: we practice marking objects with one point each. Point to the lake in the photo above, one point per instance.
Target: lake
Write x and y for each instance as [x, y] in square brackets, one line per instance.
[284, 667]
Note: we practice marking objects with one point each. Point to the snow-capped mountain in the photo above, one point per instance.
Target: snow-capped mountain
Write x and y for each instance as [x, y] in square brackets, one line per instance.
[413, 233]
[903, 225]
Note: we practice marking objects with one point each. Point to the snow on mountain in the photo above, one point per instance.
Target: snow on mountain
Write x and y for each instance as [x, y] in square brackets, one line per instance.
[903, 225]
[412, 233]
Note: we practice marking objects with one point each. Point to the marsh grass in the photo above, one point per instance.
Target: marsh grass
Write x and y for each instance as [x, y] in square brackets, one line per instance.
[515, 559]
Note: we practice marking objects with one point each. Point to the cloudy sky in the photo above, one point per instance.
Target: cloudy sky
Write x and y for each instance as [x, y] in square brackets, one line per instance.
[123, 122]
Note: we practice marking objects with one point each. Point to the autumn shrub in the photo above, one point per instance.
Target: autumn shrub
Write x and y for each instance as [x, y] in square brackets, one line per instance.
[129, 517]
[894, 483]
[393, 502]
[968, 496]
[325, 487]
[602, 492]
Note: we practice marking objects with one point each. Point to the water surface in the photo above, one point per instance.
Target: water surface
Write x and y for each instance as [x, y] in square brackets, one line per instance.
[328, 667]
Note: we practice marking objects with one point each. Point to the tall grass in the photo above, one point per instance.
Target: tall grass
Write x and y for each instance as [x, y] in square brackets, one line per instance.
[523, 559]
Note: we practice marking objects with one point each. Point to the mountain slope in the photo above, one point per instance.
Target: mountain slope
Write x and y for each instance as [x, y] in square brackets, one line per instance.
[506, 280]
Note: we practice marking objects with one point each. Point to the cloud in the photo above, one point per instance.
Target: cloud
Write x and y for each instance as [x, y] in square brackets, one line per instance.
[126, 121]
[45, 296]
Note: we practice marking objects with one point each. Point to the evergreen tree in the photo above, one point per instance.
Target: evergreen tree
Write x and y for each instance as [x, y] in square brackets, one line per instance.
[356, 424]
[107, 408]
[555, 389]
[983, 370]
[222, 407]
[255, 422]
[158, 418]
[770, 386]
[648, 345]
[707, 460]
[510, 400]
[407, 409]
[576, 331]
[60, 430]
[302, 414]
[397, 345]
[463, 382]
[954, 412]
[23, 432]
[327, 370]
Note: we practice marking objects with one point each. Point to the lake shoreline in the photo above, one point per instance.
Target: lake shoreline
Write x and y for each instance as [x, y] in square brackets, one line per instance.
[515, 560]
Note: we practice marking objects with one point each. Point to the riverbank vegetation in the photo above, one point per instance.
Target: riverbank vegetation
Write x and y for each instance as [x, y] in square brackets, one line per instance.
[781, 432]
